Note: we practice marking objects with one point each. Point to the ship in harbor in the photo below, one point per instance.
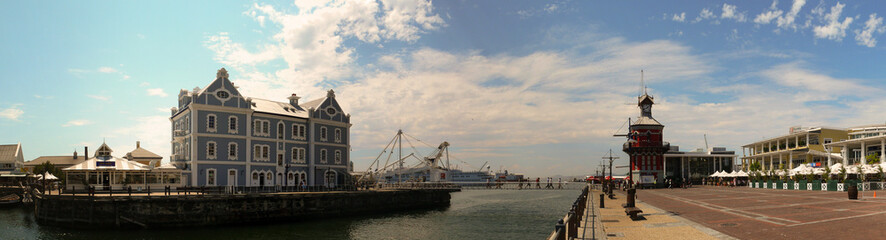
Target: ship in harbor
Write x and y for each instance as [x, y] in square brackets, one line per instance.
[433, 167]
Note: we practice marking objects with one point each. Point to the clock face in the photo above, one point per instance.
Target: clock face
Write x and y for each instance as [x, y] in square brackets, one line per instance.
[646, 108]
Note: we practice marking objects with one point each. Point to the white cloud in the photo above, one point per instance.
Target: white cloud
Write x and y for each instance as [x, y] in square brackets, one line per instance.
[101, 98]
[157, 92]
[502, 96]
[814, 86]
[79, 122]
[767, 16]
[730, 12]
[144, 84]
[311, 42]
[834, 29]
[550, 8]
[149, 130]
[866, 36]
[140, 36]
[12, 113]
[679, 18]
[43, 97]
[788, 20]
[107, 70]
[704, 14]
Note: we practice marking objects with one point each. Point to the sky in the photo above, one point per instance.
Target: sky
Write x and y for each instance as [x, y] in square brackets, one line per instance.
[534, 87]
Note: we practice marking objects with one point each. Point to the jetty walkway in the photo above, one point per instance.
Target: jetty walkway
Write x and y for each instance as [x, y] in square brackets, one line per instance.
[611, 222]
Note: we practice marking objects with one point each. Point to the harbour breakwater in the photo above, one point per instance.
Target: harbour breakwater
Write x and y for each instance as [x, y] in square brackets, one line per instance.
[207, 210]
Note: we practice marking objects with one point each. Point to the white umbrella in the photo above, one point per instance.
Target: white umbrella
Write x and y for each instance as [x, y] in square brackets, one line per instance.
[741, 174]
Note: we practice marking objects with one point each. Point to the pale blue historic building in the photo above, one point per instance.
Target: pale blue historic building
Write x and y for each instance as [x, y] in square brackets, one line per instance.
[222, 138]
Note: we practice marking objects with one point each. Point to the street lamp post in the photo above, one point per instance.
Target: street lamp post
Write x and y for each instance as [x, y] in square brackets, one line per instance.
[286, 176]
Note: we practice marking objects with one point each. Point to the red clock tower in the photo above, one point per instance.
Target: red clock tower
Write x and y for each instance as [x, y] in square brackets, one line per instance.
[645, 146]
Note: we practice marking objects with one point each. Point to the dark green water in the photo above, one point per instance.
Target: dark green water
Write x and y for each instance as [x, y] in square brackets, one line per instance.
[473, 214]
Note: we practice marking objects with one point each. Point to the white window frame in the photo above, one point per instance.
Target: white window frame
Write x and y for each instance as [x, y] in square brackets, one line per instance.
[256, 152]
[281, 130]
[263, 153]
[211, 150]
[337, 135]
[232, 146]
[323, 154]
[211, 126]
[234, 122]
[261, 128]
[302, 132]
[301, 155]
[826, 141]
[323, 134]
[266, 152]
[214, 177]
[298, 131]
[294, 157]
[266, 128]
[337, 156]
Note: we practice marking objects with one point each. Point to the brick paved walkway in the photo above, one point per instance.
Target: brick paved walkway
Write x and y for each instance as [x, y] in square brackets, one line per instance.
[747, 213]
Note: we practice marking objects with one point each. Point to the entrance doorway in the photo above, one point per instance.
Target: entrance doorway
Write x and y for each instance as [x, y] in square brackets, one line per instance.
[106, 180]
[261, 179]
[232, 177]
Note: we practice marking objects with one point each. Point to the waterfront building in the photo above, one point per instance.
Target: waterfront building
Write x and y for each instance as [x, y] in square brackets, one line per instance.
[11, 158]
[800, 145]
[699, 163]
[104, 171]
[143, 156]
[60, 162]
[645, 145]
[222, 138]
[861, 142]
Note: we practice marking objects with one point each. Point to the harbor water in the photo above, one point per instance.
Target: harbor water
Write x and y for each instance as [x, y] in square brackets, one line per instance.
[472, 214]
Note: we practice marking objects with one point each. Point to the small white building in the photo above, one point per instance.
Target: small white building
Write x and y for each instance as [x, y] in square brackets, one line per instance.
[104, 171]
[11, 158]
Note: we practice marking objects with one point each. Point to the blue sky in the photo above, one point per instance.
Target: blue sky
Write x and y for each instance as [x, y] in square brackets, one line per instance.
[536, 87]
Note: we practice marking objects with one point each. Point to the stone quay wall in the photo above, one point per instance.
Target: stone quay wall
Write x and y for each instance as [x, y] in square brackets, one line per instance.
[206, 210]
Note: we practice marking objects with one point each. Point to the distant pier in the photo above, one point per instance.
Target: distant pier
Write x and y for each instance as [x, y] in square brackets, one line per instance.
[221, 209]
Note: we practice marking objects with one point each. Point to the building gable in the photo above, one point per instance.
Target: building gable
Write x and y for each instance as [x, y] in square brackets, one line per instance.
[221, 92]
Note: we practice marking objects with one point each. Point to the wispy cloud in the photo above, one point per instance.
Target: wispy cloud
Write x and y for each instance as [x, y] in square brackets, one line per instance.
[873, 25]
[157, 92]
[833, 28]
[106, 70]
[79, 122]
[43, 97]
[679, 17]
[12, 113]
[731, 12]
[101, 98]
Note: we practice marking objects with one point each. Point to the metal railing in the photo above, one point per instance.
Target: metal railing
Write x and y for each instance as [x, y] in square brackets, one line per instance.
[567, 227]
[521, 185]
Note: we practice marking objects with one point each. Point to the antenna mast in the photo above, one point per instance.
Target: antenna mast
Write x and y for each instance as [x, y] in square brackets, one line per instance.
[642, 84]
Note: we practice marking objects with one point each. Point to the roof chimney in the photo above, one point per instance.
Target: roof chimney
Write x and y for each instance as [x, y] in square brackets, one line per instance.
[293, 100]
[138, 144]
[86, 152]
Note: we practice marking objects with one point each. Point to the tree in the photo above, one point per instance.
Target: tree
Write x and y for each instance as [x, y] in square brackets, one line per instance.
[48, 167]
[872, 158]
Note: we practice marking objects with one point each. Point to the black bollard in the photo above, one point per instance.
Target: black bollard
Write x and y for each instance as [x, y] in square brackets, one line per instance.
[602, 201]
[129, 190]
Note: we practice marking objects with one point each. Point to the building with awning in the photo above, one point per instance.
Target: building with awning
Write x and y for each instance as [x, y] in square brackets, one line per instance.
[104, 171]
[862, 141]
[799, 146]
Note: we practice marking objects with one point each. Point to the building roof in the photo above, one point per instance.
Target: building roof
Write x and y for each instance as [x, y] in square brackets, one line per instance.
[56, 160]
[108, 163]
[315, 104]
[8, 152]
[643, 120]
[796, 133]
[141, 153]
[278, 108]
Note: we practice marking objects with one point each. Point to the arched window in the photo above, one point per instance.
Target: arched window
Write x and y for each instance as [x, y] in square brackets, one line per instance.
[329, 178]
[337, 156]
[322, 155]
[210, 150]
[337, 135]
[210, 123]
[232, 124]
[280, 131]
